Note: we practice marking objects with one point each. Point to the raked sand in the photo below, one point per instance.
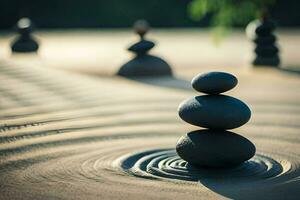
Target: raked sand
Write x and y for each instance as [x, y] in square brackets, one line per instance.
[71, 136]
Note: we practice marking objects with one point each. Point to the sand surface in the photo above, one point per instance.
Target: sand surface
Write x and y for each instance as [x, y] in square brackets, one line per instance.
[71, 136]
[65, 135]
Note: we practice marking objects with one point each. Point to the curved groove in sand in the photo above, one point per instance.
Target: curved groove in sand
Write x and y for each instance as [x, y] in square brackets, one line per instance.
[165, 163]
[61, 138]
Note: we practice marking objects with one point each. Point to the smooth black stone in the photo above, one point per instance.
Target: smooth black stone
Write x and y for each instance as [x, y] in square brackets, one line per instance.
[214, 149]
[266, 49]
[267, 40]
[269, 50]
[24, 45]
[145, 65]
[214, 82]
[265, 28]
[266, 61]
[24, 42]
[214, 112]
[141, 47]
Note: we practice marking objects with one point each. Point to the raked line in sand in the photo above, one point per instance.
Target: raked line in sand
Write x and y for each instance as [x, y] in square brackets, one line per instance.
[70, 136]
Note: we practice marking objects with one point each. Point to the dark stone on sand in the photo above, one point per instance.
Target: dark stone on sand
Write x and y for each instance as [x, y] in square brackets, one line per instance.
[141, 27]
[24, 45]
[214, 82]
[267, 61]
[214, 112]
[214, 149]
[141, 47]
[265, 28]
[145, 65]
[25, 42]
[267, 40]
[266, 51]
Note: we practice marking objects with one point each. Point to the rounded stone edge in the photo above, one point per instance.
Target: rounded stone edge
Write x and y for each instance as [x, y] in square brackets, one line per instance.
[183, 140]
[179, 111]
[193, 82]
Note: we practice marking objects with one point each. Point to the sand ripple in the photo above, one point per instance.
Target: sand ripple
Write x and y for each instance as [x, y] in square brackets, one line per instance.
[66, 136]
[166, 164]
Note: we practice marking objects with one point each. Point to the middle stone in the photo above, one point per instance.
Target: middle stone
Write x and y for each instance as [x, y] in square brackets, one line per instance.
[214, 112]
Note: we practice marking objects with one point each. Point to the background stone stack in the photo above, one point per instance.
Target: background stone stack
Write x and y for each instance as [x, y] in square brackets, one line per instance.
[144, 64]
[214, 146]
[25, 41]
[266, 49]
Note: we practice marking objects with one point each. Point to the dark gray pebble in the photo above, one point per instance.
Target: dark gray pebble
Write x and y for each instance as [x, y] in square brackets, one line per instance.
[141, 47]
[145, 65]
[214, 149]
[214, 82]
[214, 111]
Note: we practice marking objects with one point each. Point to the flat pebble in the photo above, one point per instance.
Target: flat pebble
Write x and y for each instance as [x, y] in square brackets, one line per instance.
[214, 149]
[214, 112]
[142, 46]
[214, 82]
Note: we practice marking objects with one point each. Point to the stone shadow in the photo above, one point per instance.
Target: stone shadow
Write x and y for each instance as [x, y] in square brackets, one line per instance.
[291, 70]
[288, 189]
[164, 81]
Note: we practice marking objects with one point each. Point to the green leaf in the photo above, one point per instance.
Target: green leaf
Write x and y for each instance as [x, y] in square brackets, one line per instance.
[227, 13]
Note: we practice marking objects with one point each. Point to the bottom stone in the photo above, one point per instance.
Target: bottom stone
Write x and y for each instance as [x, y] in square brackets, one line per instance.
[266, 61]
[24, 45]
[145, 65]
[213, 148]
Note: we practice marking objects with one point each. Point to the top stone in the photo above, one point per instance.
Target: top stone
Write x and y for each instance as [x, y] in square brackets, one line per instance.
[24, 26]
[214, 82]
[141, 27]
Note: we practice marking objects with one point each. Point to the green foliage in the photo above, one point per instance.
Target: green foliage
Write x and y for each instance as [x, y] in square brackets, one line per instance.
[227, 13]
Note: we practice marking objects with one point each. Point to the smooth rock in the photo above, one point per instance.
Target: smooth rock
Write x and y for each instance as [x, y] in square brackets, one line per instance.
[145, 65]
[214, 111]
[218, 149]
[265, 28]
[24, 45]
[266, 50]
[272, 61]
[141, 47]
[25, 42]
[141, 27]
[214, 82]
[267, 40]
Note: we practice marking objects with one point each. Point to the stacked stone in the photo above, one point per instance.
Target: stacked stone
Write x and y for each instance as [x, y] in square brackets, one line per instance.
[24, 42]
[214, 147]
[144, 64]
[266, 49]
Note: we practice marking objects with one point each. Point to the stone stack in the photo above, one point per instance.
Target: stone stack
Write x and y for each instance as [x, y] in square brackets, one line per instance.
[214, 147]
[266, 50]
[144, 64]
[24, 42]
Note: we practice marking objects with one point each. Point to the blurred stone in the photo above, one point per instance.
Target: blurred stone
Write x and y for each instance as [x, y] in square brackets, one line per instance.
[261, 32]
[265, 28]
[144, 64]
[141, 27]
[25, 41]
[141, 47]
[273, 61]
[266, 50]
[267, 40]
